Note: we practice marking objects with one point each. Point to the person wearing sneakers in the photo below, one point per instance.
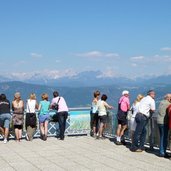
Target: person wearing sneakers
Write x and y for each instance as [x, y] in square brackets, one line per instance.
[102, 113]
[123, 107]
[145, 110]
[5, 116]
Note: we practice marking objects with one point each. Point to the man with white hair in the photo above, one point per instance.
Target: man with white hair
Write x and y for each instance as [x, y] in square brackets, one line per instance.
[123, 107]
[145, 111]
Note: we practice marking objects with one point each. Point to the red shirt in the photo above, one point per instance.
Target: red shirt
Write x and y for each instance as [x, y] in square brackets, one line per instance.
[169, 115]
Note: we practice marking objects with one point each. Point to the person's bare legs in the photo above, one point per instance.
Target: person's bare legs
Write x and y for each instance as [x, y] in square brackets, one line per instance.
[17, 134]
[46, 129]
[2, 130]
[6, 133]
[42, 132]
[101, 129]
[118, 133]
[20, 134]
[123, 128]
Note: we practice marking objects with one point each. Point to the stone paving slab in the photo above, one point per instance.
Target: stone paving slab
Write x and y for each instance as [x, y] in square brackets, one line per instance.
[80, 153]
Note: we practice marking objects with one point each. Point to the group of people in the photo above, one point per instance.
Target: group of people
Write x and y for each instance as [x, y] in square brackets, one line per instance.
[133, 117]
[14, 113]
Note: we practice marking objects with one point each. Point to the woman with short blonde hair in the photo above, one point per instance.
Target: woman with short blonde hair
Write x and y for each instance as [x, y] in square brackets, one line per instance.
[18, 115]
[44, 106]
[134, 109]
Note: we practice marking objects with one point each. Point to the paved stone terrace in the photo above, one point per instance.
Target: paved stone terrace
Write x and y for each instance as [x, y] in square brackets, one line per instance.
[81, 153]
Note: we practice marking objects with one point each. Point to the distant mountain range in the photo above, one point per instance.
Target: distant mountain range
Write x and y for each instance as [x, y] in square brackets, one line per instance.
[84, 79]
[82, 96]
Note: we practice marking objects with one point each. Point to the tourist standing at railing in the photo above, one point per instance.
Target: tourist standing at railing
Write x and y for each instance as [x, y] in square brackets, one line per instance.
[134, 109]
[169, 127]
[31, 119]
[94, 114]
[62, 112]
[123, 107]
[145, 110]
[103, 106]
[18, 115]
[162, 121]
[44, 106]
[5, 116]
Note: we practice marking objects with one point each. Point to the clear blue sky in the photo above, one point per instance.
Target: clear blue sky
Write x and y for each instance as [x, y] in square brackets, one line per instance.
[119, 37]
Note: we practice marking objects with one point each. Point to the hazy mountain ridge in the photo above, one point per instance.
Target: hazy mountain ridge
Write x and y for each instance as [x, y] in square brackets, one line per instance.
[81, 96]
[85, 79]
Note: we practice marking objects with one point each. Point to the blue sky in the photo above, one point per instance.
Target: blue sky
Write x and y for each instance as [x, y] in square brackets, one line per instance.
[62, 37]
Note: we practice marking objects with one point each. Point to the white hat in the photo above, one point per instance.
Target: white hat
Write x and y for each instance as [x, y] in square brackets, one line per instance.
[125, 92]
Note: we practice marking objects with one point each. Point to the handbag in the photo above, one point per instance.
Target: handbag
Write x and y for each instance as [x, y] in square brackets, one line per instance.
[56, 105]
[129, 115]
[55, 117]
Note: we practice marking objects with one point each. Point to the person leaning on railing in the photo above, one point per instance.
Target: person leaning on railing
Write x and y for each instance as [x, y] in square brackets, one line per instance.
[5, 116]
[31, 119]
[18, 115]
[102, 115]
[145, 110]
[61, 111]
[123, 108]
[43, 109]
[134, 108]
[169, 127]
[162, 121]
[94, 114]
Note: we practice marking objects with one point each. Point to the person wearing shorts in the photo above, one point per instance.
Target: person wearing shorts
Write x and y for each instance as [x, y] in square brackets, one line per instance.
[18, 115]
[123, 107]
[44, 106]
[102, 109]
[5, 116]
[94, 114]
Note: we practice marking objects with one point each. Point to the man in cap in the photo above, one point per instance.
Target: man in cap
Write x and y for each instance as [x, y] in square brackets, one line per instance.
[145, 111]
[123, 107]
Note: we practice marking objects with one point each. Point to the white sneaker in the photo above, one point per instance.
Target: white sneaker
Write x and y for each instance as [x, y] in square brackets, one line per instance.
[5, 141]
[27, 138]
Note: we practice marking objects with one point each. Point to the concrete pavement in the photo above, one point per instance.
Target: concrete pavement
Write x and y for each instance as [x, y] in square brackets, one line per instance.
[79, 153]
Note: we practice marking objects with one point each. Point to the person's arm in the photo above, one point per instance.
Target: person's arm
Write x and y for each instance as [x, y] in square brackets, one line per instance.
[36, 105]
[153, 107]
[49, 106]
[107, 105]
[22, 105]
[39, 107]
[12, 105]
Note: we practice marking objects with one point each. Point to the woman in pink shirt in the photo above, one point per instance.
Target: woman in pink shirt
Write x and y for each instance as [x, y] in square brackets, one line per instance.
[62, 112]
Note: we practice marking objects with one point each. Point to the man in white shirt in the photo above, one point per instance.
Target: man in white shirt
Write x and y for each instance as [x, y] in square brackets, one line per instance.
[145, 111]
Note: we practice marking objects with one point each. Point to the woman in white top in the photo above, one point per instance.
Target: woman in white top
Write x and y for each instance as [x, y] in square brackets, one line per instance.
[102, 109]
[94, 114]
[31, 120]
[134, 107]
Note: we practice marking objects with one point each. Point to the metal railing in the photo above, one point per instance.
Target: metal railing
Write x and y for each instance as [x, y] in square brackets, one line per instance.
[78, 123]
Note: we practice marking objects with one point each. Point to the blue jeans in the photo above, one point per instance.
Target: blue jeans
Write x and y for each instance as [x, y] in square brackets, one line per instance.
[62, 116]
[163, 131]
[140, 132]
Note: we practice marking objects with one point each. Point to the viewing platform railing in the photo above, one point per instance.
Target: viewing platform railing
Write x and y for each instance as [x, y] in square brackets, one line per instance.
[78, 123]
